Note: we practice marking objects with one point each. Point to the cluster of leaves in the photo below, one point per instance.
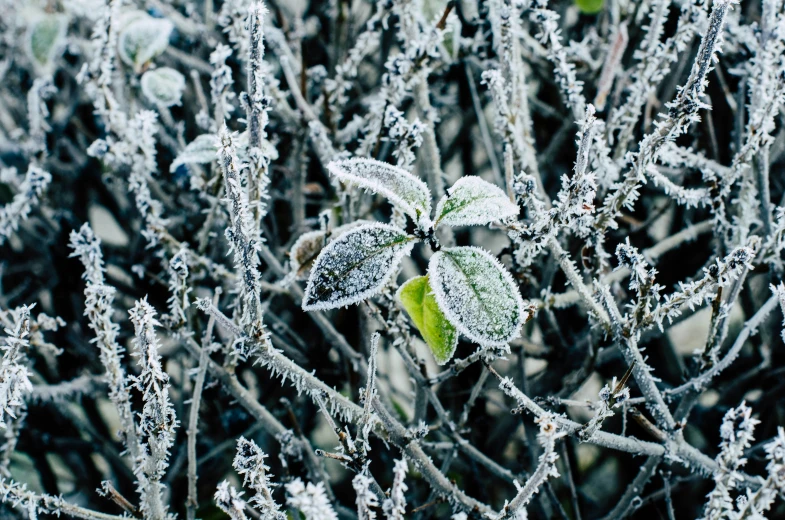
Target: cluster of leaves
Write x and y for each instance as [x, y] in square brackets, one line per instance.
[466, 289]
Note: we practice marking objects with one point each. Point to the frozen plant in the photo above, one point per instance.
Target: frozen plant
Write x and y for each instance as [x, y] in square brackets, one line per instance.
[474, 294]
[310, 500]
[392, 259]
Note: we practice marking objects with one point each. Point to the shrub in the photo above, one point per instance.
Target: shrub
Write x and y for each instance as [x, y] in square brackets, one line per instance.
[394, 259]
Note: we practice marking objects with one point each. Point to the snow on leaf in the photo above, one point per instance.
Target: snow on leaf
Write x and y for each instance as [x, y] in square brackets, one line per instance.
[305, 250]
[163, 86]
[143, 38]
[417, 298]
[355, 266]
[202, 150]
[46, 39]
[477, 294]
[474, 202]
[402, 188]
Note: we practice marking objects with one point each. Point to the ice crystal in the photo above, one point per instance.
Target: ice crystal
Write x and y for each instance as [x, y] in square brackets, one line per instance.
[310, 500]
[30, 191]
[14, 375]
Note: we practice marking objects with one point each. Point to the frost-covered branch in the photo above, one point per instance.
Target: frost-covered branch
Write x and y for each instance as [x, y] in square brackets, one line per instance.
[30, 191]
[157, 423]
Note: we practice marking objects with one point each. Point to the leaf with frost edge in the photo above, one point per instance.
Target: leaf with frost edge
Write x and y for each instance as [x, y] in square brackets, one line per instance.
[151, 48]
[342, 169]
[56, 44]
[299, 268]
[153, 80]
[203, 149]
[441, 298]
[476, 192]
[403, 250]
[450, 336]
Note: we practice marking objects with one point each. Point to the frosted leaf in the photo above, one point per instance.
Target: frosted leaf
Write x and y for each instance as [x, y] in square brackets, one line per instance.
[474, 202]
[477, 294]
[417, 298]
[402, 188]
[163, 86]
[305, 250]
[204, 150]
[355, 266]
[46, 39]
[143, 38]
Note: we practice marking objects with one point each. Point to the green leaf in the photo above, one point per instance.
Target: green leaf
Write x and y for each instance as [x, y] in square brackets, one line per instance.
[476, 294]
[403, 189]
[440, 335]
[46, 38]
[355, 266]
[590, 6]
[474, 202]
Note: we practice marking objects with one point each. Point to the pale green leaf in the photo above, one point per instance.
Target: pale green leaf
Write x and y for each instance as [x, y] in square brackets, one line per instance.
[163, 86]
[46, 39]
[440, 335]
[143, 38]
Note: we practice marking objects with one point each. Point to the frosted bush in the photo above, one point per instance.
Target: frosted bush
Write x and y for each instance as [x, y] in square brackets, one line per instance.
[392, 259]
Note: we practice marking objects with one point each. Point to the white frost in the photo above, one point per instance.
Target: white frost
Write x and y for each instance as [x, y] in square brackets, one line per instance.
[311, 500]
